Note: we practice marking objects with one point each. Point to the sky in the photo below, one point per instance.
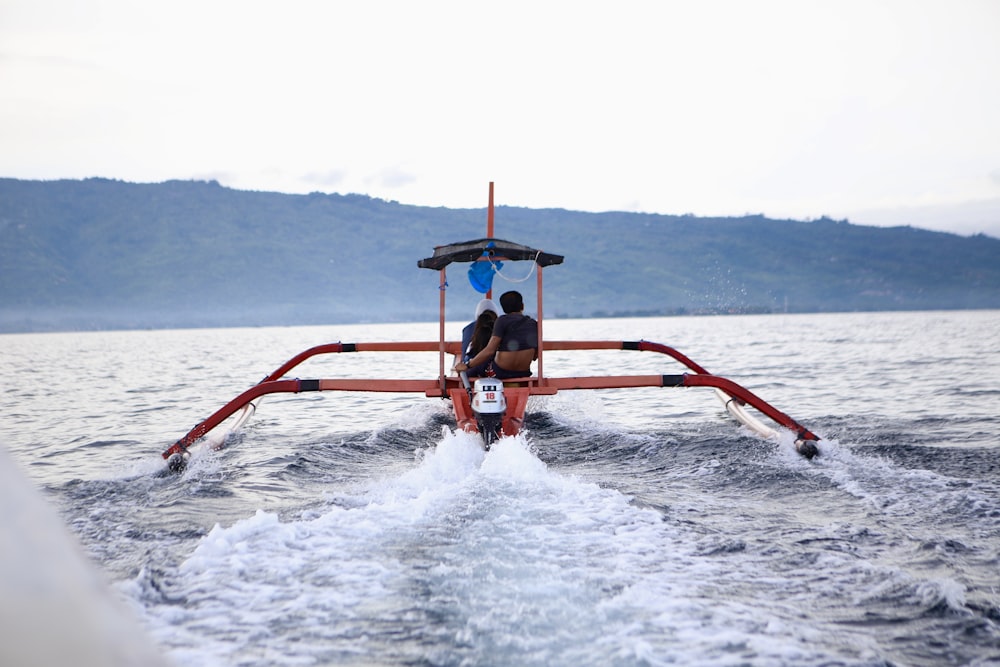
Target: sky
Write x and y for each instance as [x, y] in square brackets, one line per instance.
[880, 112]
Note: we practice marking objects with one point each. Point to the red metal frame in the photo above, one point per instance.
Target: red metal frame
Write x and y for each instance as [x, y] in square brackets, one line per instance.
[517, 391]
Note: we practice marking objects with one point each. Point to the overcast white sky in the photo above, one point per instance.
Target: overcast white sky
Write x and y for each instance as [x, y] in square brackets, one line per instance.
[797, 108]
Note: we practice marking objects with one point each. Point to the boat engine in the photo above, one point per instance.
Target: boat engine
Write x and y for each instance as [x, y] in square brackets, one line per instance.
[489, 406]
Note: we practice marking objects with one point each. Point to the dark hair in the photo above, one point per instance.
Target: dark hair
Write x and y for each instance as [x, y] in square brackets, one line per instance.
[482, 333]
[511, 302]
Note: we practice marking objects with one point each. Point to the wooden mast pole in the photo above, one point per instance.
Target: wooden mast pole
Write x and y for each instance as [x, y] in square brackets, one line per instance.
[489, 232]
[489, 215]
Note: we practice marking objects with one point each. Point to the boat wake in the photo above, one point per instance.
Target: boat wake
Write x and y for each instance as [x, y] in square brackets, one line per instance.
[574, 542]
[466, 556]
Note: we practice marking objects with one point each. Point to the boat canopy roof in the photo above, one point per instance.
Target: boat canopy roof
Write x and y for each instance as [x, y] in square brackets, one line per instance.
[470, 251]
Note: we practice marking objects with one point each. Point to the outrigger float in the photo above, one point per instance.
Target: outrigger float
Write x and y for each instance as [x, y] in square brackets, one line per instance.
[491, 407]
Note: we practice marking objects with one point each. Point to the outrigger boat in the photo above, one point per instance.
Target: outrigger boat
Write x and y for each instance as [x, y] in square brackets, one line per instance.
[491, 407]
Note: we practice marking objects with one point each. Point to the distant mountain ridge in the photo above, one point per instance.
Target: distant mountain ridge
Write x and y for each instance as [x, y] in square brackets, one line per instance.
[99, 254]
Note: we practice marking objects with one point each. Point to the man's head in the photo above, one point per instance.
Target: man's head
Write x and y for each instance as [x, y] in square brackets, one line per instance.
[511, 302]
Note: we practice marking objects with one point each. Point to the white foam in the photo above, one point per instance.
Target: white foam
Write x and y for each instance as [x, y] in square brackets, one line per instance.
[907, 494]
[515, 561]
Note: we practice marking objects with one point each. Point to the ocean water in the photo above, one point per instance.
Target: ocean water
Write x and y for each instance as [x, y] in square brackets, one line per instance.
[623, 527]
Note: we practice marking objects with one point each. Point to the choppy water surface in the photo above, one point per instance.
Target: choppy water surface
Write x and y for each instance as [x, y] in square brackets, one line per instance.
[626, 527]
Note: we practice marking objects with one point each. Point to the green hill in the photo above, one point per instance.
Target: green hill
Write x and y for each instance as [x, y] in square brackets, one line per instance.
[98, 253]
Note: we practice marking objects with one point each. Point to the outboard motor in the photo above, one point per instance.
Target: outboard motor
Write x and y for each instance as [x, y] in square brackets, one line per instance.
[489, 406]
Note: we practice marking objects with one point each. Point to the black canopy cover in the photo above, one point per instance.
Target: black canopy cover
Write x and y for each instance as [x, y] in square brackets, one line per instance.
[470, 251]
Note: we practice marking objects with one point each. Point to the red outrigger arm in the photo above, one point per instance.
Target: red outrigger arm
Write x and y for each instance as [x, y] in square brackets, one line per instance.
[451, 386]
[641, 346]
[295, 386]
[331, 348]
[271, 384]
